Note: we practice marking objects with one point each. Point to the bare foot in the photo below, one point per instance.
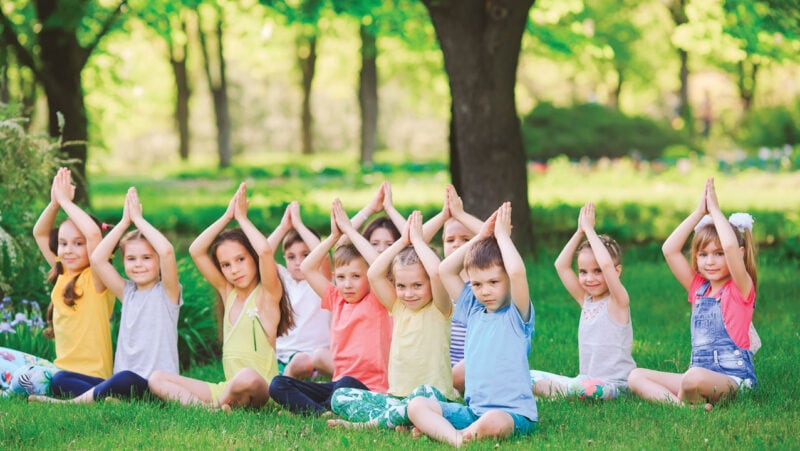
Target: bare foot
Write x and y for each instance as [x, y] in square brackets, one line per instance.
[111, 400]
[40, 398]
[226, 408]
[339, 423]
[401, 428]
[709, 407]
[416, 433]
[467, 436]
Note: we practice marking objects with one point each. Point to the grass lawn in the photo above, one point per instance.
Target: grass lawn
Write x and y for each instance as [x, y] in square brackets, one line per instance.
[768, 418]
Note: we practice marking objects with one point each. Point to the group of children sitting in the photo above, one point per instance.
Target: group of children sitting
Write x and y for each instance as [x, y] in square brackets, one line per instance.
[400, 336]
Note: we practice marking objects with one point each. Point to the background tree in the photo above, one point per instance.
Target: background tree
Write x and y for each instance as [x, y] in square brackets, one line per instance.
[480, 41]
[59, 38]
[210, 23]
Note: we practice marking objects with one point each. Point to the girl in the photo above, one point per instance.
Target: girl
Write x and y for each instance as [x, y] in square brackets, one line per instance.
[239, 263]
[82, 304]
[305, 349]
[721, 282]
[151, 298]
[605, 334]
[418, 355]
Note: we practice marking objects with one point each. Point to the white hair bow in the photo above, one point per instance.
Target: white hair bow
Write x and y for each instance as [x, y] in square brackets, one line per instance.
[742, 221]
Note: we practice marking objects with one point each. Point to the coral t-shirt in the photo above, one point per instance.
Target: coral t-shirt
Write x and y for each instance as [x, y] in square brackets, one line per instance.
[361, 334]
[737, 312]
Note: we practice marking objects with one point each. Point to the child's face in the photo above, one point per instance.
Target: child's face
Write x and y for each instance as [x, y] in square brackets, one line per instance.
[491, 286]
[72, 249]
[711, 263]
[294, 255]
[381, 239]
[237, 265]
[455, 235]
[412, 285]
[351, 280]
[141, 263]
[590, 275]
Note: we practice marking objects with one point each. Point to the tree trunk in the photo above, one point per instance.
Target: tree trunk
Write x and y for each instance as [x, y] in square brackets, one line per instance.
[481, 40]
[218, 86]
[177, 58]
[613, 100]
[368, 95]
[747, 83]
[677, 10]
[307, 59]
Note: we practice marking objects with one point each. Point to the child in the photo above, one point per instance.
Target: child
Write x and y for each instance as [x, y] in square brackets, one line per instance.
[148, 332]
[360, 327]
[499, 317]
[82, 304]
[421, 310]
[306, 347]
[24, 374]
[605, 334]
[239, 263]
[721, 281]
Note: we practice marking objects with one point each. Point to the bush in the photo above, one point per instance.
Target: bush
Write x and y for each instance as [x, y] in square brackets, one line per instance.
[21, 324]
[771, 127]
[198, 336]
[593, 131]
[27, 165]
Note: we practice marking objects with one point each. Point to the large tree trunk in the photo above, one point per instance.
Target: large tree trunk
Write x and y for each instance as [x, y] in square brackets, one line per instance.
[746, 82]
[368, 95]
[177, 57]
[480, 40]
[217, 84]
[307, 59]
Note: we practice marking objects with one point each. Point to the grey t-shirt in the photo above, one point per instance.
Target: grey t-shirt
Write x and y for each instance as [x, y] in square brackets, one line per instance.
[603, 345]
[148, 331]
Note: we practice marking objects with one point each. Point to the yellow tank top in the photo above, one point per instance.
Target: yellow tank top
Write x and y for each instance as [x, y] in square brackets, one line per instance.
[83, 331]
[245, 343]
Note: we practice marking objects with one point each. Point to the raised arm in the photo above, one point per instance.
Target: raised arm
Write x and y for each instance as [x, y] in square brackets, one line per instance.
[309, 238]
[450, 268]
[397, 219]
[434, 224]
[274, 239]
[101, 257]
[45, 224]
[730, 245]
[456, 207]
[564, 264]
[346, 227]
[515, 267]
[673, 246]
[311, 266]
[166, 253]
[379, 270]
[430, 262]
[619, 295]
[199, 250]
[375, 205]
[268, 268]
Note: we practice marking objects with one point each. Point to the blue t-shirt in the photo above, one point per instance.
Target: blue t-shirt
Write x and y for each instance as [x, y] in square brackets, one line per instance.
[496, 357]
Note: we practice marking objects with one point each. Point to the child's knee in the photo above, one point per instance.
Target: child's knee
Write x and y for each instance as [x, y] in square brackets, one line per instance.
[692, 380]
[496, 423]
[301, 366]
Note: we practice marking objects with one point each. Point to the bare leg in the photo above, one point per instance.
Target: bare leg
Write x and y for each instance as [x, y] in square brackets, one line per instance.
[458, 377]
[699, 385]
[323, 361]
[372, 424]
[493, 424]
[426, 414]
[187, 391]
[86, 398]
[549, 389]
[300, 367]
[655, 385]
[246, 389]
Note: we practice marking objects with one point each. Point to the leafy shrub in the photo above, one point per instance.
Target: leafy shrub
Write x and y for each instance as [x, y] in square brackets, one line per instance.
[198, 337]
[771, 127]
[27, 165]
[21, 324]
[593, 131]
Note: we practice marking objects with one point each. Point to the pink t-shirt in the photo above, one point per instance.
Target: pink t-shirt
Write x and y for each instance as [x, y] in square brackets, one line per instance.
[361, 334]
[737, 312]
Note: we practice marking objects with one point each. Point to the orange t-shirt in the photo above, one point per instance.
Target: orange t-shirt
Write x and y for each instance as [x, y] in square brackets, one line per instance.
[361, 334]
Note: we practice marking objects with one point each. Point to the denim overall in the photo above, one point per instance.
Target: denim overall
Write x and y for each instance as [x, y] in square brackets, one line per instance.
[712, 347]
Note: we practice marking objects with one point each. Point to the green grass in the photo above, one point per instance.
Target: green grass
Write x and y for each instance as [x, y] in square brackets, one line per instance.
[767, 418]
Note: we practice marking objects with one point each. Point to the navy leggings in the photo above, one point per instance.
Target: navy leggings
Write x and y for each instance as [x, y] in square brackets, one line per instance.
[123, 384]
[308, 397]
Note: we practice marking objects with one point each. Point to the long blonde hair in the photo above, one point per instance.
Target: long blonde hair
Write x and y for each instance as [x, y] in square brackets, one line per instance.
[707, 234]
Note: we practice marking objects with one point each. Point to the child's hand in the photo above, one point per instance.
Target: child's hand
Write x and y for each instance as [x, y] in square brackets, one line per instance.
[133, 207]
[454, 203]
[414, 227]
[293, 211]
[339, 215]
[502, 225]
[376, 204]
[387, 196]
[587, 220]
[712, 204]
[487, 229]
[63, 189]
[702, 206]
[335, 231]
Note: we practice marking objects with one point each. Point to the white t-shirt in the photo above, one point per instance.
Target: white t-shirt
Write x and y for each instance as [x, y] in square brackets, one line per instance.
[312, 324]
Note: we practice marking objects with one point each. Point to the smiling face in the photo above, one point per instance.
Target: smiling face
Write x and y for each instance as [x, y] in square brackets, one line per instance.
[454, 236]
[72, 249]
[351, 280]
[141, 263]
[294, 255]
[491, 286]
[712, 265]
[237, 265]
[381, 239]
[590, 275]
[412, 285]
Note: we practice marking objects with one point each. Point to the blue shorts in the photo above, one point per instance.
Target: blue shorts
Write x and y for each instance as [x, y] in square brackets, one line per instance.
[461, 416]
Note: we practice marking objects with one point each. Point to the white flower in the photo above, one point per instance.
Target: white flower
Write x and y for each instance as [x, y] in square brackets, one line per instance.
[253, 313]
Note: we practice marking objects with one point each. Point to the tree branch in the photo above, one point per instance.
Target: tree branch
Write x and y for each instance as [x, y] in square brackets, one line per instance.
[25, 57]
[87, 52]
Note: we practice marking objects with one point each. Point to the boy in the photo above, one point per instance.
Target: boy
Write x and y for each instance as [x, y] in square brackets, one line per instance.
[306, 347]
[360, 327]
[497, 309]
